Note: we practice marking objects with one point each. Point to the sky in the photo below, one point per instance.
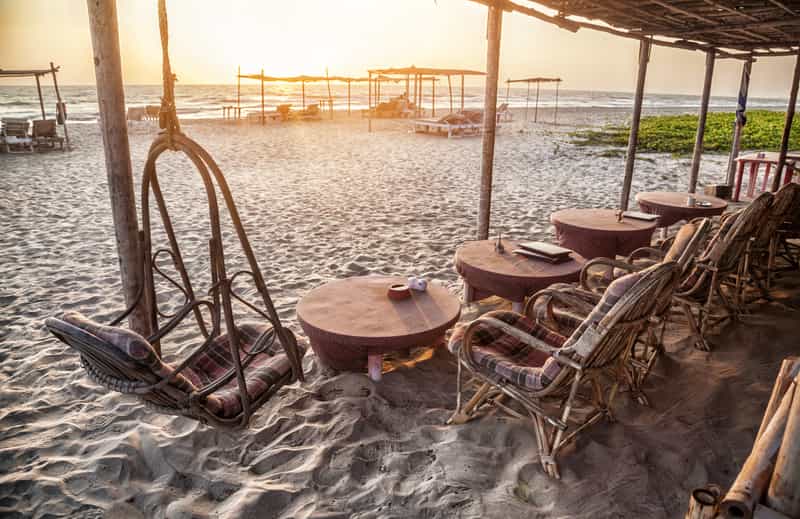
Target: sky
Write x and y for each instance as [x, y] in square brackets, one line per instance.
[210, 38]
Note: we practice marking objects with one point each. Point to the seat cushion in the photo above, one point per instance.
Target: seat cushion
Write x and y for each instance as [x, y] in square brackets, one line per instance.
[504, 358]
[263, 372]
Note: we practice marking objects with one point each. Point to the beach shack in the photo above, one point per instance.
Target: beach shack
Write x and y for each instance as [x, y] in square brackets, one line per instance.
[536, 81]
[15, 133]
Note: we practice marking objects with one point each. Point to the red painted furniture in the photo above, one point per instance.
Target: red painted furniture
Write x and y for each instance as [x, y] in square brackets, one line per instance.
[754, 160]
[595, 233]
[673, 206]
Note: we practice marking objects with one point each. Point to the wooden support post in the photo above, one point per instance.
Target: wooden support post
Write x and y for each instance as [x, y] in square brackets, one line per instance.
[701, 120]
[408, 80]
[508, 89]
[41, 99]
[462, 92]
[527, 99]
[493, 33]
[644, 58]
[450, 90]
[369, 102]
[53, 71]
[787, 126]
[330, 97]
[555, 112]
[433, 96]
[303, 93]
[238, 92]
[348, 97]
[536, 106]
[114, 129]
[263, 118]
[739, 121]
[783, 493]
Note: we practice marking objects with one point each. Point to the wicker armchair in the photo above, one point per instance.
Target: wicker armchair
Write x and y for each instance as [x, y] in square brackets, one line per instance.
[563, 384]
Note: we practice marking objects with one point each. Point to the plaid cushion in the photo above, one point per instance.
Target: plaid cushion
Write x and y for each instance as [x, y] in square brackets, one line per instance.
[559, 316]
[261, 373]
[505, 358]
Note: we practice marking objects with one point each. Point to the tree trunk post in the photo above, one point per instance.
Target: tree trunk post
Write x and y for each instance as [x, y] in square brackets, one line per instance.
[462, 92]
[644, 58]
[555, 112]
[787, 127]
[262, 98]
[536, 106]
[114, 129]
[701, 120]
[739, 121]
[41, 99]
[238, 92]
[494, 28]
[53, 71]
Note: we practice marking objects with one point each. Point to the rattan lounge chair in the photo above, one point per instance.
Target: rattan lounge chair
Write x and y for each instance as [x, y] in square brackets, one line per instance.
[563, 384]
[763, 250]
[235, 366]
[721, 265]
[572, 303]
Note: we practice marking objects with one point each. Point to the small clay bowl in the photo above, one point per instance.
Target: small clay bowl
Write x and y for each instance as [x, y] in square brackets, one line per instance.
[398, 291]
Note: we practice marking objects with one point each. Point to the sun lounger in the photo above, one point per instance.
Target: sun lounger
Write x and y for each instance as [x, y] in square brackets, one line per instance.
[14, 135]
[467, 122]
[45, 135]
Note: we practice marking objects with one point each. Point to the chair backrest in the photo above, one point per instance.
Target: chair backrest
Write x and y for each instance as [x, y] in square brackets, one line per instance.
[727, 248]
[15, 127]
[687, 243]
[623, 311]
[784, 204]
[44, 128]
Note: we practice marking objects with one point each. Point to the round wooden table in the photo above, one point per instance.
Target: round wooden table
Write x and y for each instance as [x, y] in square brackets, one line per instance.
[672, 207]
[352, 322]
[595, 233]
[487, 272]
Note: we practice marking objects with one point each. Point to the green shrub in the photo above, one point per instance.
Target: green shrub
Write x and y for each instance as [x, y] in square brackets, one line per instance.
[676, 133]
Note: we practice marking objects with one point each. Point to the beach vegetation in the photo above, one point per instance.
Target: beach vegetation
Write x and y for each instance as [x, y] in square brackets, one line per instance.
[676, 133]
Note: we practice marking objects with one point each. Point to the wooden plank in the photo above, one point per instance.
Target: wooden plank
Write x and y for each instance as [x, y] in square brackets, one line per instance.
[114, 129]
[701, 121]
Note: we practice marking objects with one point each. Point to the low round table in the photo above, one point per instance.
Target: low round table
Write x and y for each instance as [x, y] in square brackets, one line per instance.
[596, 233]
[672, 207]
[352, 322]
[487, 272]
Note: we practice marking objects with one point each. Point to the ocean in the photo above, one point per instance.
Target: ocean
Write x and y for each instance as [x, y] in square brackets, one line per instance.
[206, 101]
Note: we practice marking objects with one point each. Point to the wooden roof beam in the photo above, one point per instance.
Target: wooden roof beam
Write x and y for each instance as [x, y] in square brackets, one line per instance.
[784, 7]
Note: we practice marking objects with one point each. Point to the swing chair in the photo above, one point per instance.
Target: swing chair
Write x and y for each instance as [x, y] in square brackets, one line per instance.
[238, 366]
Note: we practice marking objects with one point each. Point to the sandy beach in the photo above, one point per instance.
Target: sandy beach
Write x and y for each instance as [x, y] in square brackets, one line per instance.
[322, 201]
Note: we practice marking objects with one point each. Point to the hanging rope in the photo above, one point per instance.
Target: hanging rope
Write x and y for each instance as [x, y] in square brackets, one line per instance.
[168, 117]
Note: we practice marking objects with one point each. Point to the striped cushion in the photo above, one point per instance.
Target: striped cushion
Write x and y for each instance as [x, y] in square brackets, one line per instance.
[504, 358]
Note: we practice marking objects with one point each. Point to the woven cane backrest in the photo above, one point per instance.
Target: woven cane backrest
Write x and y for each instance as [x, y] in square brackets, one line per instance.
[784, 204]
[730, 246]
[621, 314]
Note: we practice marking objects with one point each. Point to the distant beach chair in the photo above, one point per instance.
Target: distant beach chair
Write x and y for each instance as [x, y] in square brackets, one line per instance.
[547, 373]
[504, 115]
[45, 135]
[14, 136]
[466, 122]
[311, 113]
[151, 112]
[235, 367]
[135, 113]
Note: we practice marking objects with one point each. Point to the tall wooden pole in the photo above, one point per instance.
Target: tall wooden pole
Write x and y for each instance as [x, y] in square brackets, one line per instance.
[239, 92]
[348, 97]
[493, 32]
[536, 106]
[433, 96]
[739, 121]
[508, 89]
[114, 129]
[555, 112]
[303, 93]
[369, 102]
[450, 90]
[644, 59]
[262, 97]
[701, 120]
[527, 99]
[787, 126]
[41, 99]
[61, 105]
[462, 92]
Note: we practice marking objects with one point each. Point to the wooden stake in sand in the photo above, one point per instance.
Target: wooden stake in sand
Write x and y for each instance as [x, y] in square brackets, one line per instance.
[738, 123]
[644, 58]
[114, 128]
[787, 127]
[494, 27]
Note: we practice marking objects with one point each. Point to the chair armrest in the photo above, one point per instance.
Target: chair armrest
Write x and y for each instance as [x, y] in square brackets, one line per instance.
[563, 297]
[607, 262]
[528, 339]
[645, 252]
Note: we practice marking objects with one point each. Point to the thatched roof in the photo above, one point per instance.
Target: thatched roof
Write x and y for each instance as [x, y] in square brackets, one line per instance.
[536, 80]
[738, 27]
[428, 71]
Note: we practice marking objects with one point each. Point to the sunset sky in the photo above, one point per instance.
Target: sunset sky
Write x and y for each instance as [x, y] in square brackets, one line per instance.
[209, 38]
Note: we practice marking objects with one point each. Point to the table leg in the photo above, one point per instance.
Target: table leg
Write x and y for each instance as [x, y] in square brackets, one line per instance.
[738, 186]
[469, 293]
[517, 306]
[766, 177]
[375, 366]
[751, 185]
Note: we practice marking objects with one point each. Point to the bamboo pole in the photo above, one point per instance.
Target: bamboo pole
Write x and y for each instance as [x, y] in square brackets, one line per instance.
[303, 92]
[527, 98]
[536, 106]
[61, 104]
[462, 92]
[790, 367]
[555, 112]
[348, 96]
[114, 129]
[701, 120]
[369, 102]
[508, 89]
[787, 127]
[450, 90]
[494, 29]
[783, 494]
[330, 97]
[739, 121]
[41, 99]
[238, 92]
[408, 79]
[262, 97]
[644, 58]
[433, 96]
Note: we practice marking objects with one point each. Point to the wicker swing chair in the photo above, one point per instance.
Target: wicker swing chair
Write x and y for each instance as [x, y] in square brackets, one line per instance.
[237, 366]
